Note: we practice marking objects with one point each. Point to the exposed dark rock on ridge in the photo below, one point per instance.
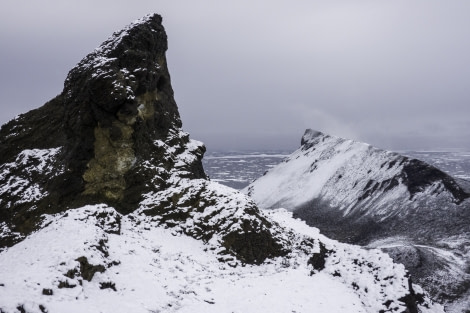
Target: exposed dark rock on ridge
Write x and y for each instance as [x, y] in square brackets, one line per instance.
[114, 136]
[115, 103]
[419, 175]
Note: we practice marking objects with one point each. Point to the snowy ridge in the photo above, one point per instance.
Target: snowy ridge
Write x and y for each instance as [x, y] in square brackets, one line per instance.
[360, 194]
[98, 260]
[198, 207]
[177, 253]
[352, 177]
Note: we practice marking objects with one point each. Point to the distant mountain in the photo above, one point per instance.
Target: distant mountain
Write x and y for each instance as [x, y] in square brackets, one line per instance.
[105, 207]
[363, 195]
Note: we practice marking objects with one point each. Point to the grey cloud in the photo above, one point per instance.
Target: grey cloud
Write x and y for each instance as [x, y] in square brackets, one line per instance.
[256, 74]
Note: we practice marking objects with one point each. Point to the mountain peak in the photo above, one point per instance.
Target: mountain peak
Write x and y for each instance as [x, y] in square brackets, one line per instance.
[364, 195]
[309, 135]
[118, 100]
[114, 128]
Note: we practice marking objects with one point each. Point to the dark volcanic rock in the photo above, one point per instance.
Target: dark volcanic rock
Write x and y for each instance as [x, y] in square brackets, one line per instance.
[116, 102]
[114, 136]
[418, 175]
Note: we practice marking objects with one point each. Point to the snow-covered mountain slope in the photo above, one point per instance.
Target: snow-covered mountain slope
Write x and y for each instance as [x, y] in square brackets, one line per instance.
[93, 259]
[105, 207]
[354, 178]
[360, 194]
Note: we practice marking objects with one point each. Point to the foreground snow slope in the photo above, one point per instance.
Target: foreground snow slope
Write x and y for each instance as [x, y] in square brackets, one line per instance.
[93, 259]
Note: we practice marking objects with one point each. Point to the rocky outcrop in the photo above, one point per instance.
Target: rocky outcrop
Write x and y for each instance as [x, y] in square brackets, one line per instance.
[363, 195]
[114, 136]
[118, 101]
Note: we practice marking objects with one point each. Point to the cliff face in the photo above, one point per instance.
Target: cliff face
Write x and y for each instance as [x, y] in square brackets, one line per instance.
[118, 101]
[363, 195]
[114, 136]
[115, 103]
[92, 140]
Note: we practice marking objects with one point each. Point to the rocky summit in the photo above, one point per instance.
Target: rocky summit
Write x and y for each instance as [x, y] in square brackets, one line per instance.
[105, 207]
[112, 136]
[360, 194]
[116, 103]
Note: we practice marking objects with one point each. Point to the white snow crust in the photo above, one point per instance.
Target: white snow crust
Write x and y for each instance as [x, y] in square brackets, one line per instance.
[157, 269]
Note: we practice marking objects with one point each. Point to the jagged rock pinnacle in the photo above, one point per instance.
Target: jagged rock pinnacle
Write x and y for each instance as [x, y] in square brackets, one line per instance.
[109, 123]
[309, 135]
[118, 100]
[113, 137]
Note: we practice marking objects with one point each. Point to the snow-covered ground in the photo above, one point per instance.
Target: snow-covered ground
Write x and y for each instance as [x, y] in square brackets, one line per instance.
[92, 259]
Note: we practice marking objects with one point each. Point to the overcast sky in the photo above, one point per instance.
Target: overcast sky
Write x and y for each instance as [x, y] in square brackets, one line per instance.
[256, 74]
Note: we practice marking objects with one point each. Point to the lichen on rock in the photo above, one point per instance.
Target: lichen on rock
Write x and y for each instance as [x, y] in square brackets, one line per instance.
[114, 156]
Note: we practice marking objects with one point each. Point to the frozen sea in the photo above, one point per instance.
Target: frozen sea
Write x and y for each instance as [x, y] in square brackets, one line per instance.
[237, 169]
